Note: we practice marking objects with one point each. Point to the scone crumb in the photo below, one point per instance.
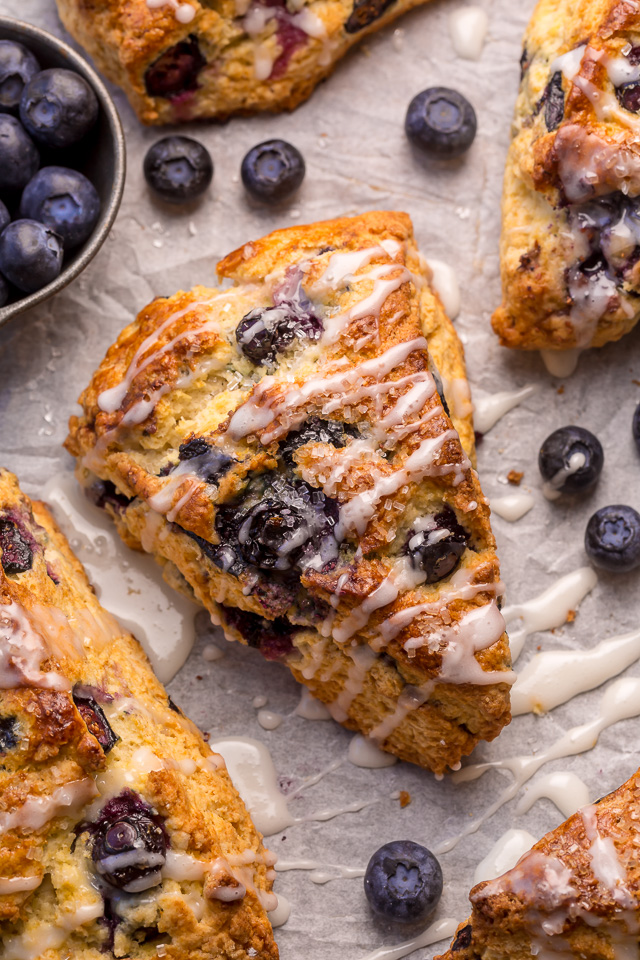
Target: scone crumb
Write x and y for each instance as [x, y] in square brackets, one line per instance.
[515, 477]
[405, 798]
[571, 616]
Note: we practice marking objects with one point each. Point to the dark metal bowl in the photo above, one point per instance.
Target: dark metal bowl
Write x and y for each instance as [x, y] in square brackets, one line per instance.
[100, 156]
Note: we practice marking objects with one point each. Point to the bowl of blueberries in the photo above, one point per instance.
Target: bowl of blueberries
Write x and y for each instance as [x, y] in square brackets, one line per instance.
[62, 165]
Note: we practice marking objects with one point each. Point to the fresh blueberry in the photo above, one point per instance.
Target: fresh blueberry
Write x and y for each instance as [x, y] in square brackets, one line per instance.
[436, 544]
[571, 460]
[17, 555]
[403, 881]
[30, 255]
[441, 122]
[19, 158]
[93, 715]
[8, 733]
[5, 291]
[17, 67]
[176, 71]
[635, 426]
[129, 843]
[612, 539]
[63, 200]
[272, 171]
[5, 217]
[553, 99]
[58, 107]
[263, 332]
[178, 169]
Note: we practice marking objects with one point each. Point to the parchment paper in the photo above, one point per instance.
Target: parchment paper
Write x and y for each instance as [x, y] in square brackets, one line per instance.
[351, 134]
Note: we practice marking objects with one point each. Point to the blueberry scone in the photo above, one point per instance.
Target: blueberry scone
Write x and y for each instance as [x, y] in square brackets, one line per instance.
[121, 834]
[182, 60]
[570, 250]
[576, 893]
[289, 448]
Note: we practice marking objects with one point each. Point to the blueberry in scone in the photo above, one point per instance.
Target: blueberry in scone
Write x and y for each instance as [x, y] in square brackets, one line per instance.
[296, 449]
[121, 834]
[180, 62]
[574, 894]
[571, 217]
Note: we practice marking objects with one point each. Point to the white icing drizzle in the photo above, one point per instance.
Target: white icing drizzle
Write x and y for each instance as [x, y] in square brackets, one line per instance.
[184, 12]
[566, 790]
[311, 709]
[403, 576]
[321, 873]
[549, 609]
[363, 658]
[513, 506]
[560, 363]
[539, 880]
[440, 930]
[279, 916]
[34, 942]
[605, 863]
[489, 408]
[504, 855]
[556, 676]
[621, 701]
[551, 488]
[444, 282]
[383, 286]
[458, 395]
[64, 801]
[364, 752]
[22, 650]
[10, 885]
[256, 19]
[409, 700]
[269, 720]
[254, 777]
[468, 27]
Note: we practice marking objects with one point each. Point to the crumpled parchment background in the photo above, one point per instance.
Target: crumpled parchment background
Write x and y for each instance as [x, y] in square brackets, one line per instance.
[351, 134]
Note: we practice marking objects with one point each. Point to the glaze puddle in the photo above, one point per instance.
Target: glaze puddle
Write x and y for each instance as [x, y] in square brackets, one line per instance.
[468, 29]
[567, 791]
[321, 873]
[490, 408]
[513, 506]
[504, 855]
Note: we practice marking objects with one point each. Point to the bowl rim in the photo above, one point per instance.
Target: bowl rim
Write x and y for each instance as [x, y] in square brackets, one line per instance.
[98, 237]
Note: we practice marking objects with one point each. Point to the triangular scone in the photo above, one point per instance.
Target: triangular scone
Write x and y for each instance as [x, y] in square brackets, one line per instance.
[187, 59]
[121, 834]
[570, 247]
[575, 894]
[307, 499]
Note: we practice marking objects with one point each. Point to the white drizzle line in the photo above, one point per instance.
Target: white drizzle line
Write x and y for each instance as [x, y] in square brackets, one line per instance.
[10, 885]
[490, 408]
[566, 790]
[33, 943]
[606, 866]
[556, 676]
[549, 609]
[63, 802]
[440, 930]
[321, 873]
[620, 702]
[184, 12]
[504, 855]
[22, 650]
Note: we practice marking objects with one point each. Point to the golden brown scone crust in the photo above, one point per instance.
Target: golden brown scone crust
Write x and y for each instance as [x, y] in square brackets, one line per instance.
[569, 249]
[177, 375]
[56, 644]
[241, 64]
[561, 898]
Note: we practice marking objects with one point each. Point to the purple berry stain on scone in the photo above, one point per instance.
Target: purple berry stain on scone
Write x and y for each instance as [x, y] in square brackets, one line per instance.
[175, 73]
[128, 843]
[92, 713]
[271, 637]
[17, 546]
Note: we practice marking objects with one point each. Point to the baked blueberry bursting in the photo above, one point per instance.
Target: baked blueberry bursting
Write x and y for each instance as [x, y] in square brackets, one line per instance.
[17, 67]
[176, 71]
[436, 548]
[206, 461]
[403, 882]
[463, 939]
[266, 331]
[65, 201]
[104, 493]
[128, 843]
[58, 108]
[366, 12]
[273, 638]
[629, 96]
[612, 538]
[17, 552]
[558, 456]
[553, 100]
[93, 715]
[8, 733]
[441, 122]
[316, 430]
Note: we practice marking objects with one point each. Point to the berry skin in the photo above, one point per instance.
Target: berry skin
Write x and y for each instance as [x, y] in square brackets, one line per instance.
[403, 882]
[17, 67]
[17, 555]
[65, 201]
[208, 462]
[93, 715]
[441, 122]
[635, 427]
[562, 451]
[272, 171]
[176, 71]
[5, 291]
[19, 157]
[5, 217]
[30, 255]
[271, 637]
[263, 332]
[612, 538]
[628, 95]
[178, 169]
[553, 98]
[128, 825]
[58, 108]
[316, 430]
[437, 547]
[8, 734]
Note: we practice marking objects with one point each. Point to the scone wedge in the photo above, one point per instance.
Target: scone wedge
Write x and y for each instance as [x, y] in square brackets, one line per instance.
[283, 447]
[570, 249]
[575, 894]
[191, 59]
[121, 834]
